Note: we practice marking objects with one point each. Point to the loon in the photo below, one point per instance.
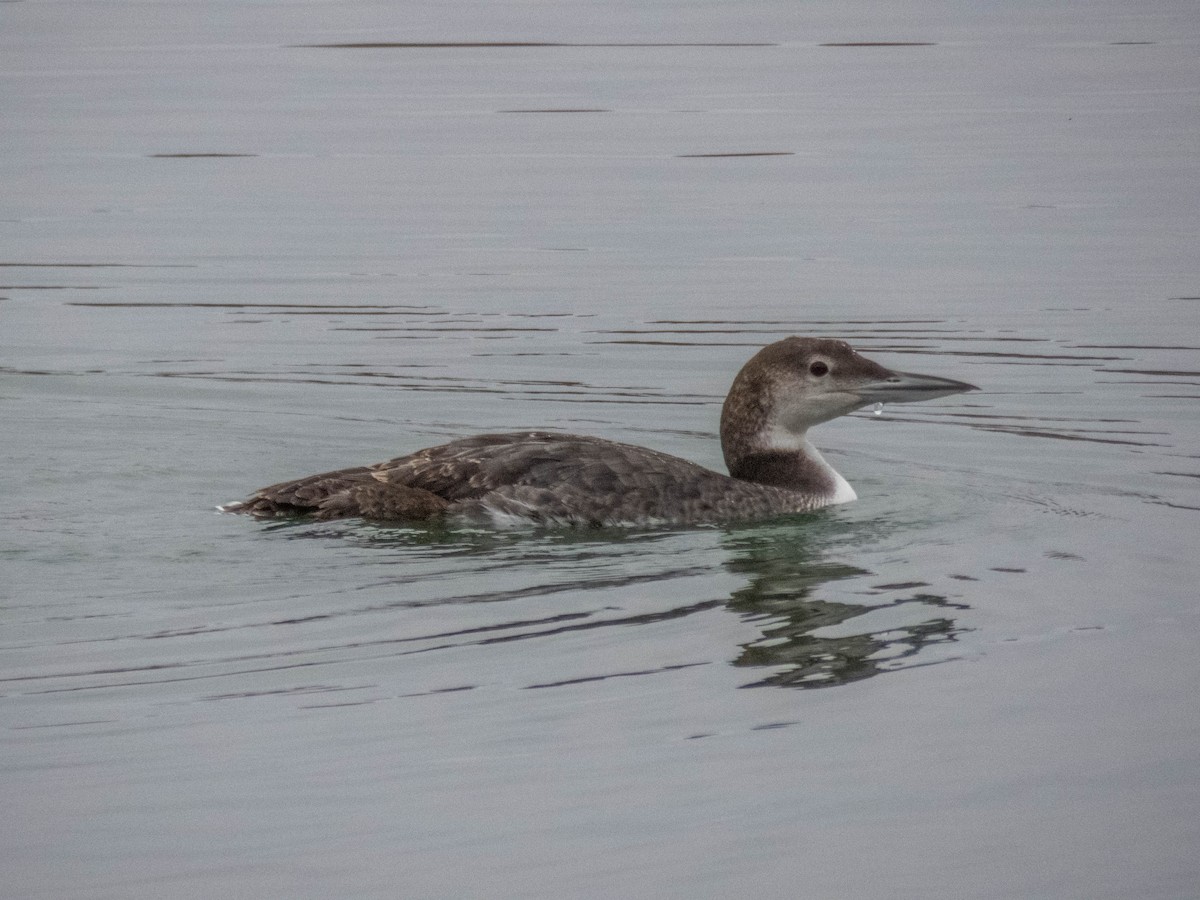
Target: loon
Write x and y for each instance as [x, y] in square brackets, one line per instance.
[549, 478]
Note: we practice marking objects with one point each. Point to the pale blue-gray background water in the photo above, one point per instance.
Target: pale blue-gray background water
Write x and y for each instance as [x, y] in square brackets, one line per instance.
[234, 253]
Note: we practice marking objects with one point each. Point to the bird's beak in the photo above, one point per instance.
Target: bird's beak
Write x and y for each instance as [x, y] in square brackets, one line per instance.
[904, 387]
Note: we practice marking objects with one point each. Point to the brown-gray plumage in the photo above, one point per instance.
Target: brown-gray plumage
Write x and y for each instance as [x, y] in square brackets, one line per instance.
[567, 479]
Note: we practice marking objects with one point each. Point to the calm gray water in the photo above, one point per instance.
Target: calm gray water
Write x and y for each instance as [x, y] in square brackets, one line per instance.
[238, 246]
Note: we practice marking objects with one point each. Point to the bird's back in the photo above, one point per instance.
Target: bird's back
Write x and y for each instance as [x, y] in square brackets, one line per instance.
[540, 477]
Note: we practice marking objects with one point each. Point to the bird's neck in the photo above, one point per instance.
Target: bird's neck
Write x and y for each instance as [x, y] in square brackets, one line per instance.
[793, 464]
[759, 449]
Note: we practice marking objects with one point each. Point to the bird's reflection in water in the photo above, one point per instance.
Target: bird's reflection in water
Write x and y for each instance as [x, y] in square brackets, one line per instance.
[809, 642]
[785, 567]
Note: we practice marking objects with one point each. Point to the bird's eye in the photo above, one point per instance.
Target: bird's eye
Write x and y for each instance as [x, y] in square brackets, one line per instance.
[819, 369]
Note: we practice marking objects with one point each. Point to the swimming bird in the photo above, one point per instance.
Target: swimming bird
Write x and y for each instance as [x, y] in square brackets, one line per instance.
[549, 478]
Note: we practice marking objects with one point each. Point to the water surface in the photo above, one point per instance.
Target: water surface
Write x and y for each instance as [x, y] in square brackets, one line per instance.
[280, 238]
